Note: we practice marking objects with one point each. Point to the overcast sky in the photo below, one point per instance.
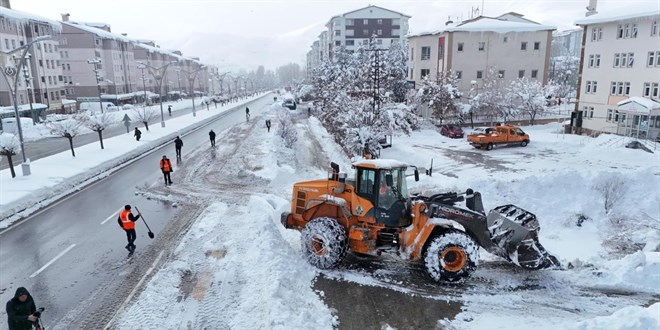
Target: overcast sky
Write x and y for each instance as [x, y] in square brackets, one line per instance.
[244, 34]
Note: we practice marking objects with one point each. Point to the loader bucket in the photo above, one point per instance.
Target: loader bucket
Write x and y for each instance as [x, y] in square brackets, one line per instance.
[514, 233]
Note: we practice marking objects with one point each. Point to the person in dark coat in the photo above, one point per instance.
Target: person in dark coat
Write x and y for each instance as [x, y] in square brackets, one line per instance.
[268, 124]
[137, 134]
[212, 138]
[21, 310]
[178, 143]
[169, 110]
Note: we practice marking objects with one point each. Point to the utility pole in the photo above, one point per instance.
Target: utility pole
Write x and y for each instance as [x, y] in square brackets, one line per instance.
[97, 63]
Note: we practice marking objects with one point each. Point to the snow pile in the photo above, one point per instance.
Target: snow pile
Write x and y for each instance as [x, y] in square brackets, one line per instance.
[638, 271]
[233, 281]
[629, 318]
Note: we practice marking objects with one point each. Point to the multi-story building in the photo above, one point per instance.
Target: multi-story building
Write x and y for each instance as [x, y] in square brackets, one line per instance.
[44, 67]
[620, 69]
[512, 46]
[97, 62]
[354, 29]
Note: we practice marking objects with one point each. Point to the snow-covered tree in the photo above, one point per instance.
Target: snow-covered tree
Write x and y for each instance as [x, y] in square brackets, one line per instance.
[69, 128]
[529, 97]
[144, 114]
[440, 96]
[97, 123]
[396, 71]
[285, 128]
[563, 70]
[9, 146]
[489, 100]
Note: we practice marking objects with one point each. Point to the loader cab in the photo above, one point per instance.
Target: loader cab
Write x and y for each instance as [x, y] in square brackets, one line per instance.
[383, 183]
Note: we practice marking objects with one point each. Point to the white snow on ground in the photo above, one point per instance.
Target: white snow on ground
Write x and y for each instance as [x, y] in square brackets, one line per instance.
[250, 273]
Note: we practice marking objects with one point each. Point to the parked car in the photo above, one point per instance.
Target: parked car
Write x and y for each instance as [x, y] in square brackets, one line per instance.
[289, 103]
[452, 131]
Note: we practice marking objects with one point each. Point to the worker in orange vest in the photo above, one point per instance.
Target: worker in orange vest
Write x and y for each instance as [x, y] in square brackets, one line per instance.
[126, 221]
[166, 167]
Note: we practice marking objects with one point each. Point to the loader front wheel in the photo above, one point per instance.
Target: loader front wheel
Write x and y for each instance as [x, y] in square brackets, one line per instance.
[324, 242]
[451, 257]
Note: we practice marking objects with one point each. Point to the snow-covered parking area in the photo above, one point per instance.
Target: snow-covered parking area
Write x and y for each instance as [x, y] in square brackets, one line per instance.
[238, 268]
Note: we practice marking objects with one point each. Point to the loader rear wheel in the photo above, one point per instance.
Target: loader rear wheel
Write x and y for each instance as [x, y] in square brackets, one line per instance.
[324, 242]
[489, 146]
[523, 143]
[451, 257]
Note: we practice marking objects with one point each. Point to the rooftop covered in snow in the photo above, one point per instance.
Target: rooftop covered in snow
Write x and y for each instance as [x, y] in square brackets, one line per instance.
[99, 32]
[640, 105]
[27, 17]
[489, 24]
[619, 15]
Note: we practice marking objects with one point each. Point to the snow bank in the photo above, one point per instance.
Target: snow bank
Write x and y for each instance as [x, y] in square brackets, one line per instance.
[629, 318]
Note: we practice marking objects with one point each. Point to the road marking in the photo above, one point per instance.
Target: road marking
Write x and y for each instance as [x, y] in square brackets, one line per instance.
[111, 216]
[130, 295]
[52, 261]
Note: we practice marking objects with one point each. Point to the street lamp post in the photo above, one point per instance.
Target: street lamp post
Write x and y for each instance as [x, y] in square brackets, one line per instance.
[191, 82]
[159, 73]
[10, 71]
[96, 62]
[27, 78]
[144, 83]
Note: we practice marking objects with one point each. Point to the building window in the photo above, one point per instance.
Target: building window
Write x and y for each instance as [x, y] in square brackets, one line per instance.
[425, 72]
[480, 74]
[337, 32]
[654, 90]
[349, 22]
[379, 41]
[380, 22]
[505, 39]
[596, 34]
[537, 45]
[459, 75]
[587, 87]
[426, 53]
[610, 114]
[365, 41]
[350, 42]
[617, 60]
[591, 61]
[412, 74]
[412, 53]
[619, 31]
[654, 28]
[613, 88]
[523, 45]
[365, 32]
[646, 92]
[651, 59]
[633, 32]
[460, 46]
[365, 22]
[500, 74]
[597, 64]
[535, 73]
[521, 73]
[482, 46]
[379, 32]
[337, 43]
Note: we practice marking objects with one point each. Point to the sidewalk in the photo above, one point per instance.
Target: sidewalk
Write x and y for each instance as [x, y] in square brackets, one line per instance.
[60, 174]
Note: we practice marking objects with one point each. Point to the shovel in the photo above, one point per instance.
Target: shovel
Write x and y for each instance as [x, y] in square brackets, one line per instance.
[151, 235]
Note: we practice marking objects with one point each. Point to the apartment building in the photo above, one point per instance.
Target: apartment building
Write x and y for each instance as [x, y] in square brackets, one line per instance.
[354, 29]
[16, 30]
[620, 73]
[510, 44]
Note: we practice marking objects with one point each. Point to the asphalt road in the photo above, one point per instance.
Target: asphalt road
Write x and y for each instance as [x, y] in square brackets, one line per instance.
[49, 146]
[65, 252]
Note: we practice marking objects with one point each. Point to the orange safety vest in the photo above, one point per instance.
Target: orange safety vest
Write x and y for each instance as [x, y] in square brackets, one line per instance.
[126, 223]
[165, 165]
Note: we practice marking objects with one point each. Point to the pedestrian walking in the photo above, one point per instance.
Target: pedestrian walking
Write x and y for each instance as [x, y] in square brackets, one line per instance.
[178, 143]
[126, 221]
[21, 311]
[212, 138]
[137, 134]
[268, 124]
[166, 168]
[169, 110]
[247, 114]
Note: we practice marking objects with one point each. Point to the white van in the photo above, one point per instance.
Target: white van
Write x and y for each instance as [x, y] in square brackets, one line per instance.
[9, 124]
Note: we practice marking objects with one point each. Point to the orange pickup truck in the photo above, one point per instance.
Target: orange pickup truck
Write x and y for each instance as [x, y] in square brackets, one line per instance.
[500, 135]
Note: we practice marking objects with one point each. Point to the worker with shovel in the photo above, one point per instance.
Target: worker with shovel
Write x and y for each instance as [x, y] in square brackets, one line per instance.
[126, 221]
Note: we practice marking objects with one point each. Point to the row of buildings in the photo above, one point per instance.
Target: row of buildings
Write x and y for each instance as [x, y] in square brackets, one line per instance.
[619, 57]
[84, 61]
